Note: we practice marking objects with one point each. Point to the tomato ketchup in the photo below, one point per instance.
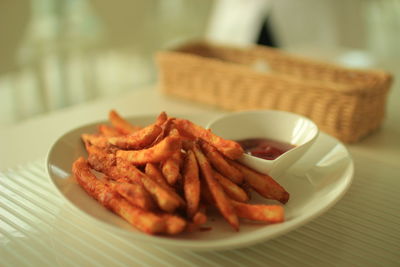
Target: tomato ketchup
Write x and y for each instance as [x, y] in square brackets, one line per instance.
[264, 148]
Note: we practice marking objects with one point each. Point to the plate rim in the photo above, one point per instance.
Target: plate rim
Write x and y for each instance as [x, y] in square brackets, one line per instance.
[200, 245]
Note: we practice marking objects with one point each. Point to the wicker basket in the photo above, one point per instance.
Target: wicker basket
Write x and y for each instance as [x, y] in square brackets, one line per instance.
[345, 103]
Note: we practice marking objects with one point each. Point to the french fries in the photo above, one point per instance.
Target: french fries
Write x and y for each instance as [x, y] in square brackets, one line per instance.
[219, 163]
[221, 200]
[229, 148]
[139, 139]
[162, 177]
[156, 153]
[191, 184]
[263, 184]
[122, 125]
[145, 221]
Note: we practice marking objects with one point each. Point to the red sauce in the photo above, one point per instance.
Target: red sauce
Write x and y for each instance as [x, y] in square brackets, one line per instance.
[264, 148]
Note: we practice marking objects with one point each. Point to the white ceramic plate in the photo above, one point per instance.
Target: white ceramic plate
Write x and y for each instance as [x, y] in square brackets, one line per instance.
[315, 183]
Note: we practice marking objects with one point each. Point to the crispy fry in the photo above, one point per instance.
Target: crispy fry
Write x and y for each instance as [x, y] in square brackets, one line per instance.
[135, 194]
[166, 200]
[108, 131]
[231, 189]
[263, 184]
[174, 224]
[217, 160]
[122, 125]
[154, 173]
[143, 220]
[171, 167]
[156, 153]
[162, 118]
[205, 194]
[191, 184]
[165, 128]
[199, 218]
[95, 140]
[221, 200]
[264, 213]
[229, 148]
[99, 159]
[137, 140]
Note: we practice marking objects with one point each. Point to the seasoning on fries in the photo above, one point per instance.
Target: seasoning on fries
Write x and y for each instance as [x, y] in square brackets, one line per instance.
[163, 177]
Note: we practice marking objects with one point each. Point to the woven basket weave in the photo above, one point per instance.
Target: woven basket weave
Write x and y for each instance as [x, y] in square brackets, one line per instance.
[345, 103]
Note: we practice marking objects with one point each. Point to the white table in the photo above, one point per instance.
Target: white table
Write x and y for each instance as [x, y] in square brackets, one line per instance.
[361, 230]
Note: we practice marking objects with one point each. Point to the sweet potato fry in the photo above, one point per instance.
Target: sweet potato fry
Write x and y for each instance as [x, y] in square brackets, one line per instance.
[135, 194]
[191, 184]
[108, 131]
[231, 189]
[156, 153]
[221, 200]
[263, 184]
[165, 199]
[229, 148]
[122, 125]
[217, 160]
[264, 213]
[174, 224]
[143, 220]
[137, 140]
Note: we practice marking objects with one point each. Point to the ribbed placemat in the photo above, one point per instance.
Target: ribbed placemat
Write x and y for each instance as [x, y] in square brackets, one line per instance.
[37, 228]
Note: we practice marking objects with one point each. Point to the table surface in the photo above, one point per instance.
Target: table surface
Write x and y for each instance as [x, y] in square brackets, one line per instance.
[361, 230]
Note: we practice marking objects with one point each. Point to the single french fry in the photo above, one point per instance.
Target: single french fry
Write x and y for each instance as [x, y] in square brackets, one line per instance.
[145, 221]
[257, 212]
[108, 131]
[231, 189]
[156, 153]
[221, 200]
[137, 140]
[199, 218]
[161, 118]
[174, 224]
[205, 194]
[165, 199]
[154, 173]
[191, 184]
[171, 167]
[263, 184]
[95, 140]
[122, 125]
[224, 167]
[135, 194]
[165, 128]
[229, 148]
[99, 159]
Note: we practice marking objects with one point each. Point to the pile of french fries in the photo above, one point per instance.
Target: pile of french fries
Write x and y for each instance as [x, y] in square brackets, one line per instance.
[162, 178]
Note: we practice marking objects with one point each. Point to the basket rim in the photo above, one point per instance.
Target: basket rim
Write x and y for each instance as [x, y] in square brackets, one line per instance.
[164, 56]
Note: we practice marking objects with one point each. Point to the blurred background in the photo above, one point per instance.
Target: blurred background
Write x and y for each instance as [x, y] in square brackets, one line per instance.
[59, 53]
